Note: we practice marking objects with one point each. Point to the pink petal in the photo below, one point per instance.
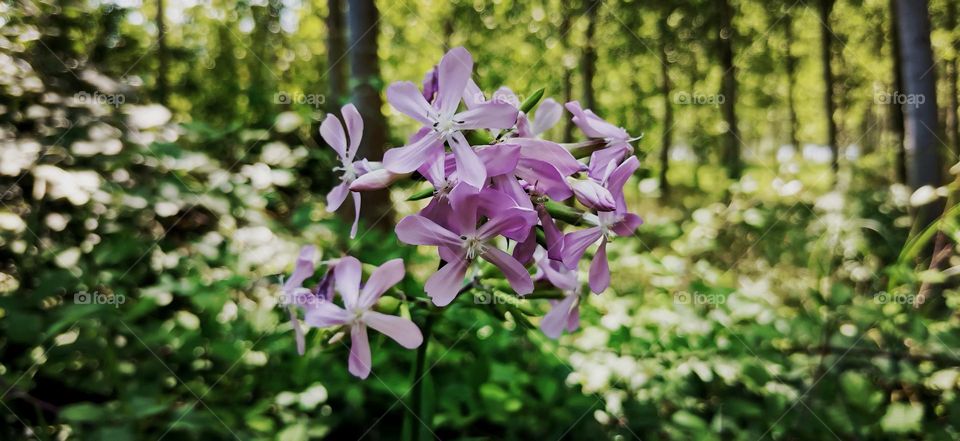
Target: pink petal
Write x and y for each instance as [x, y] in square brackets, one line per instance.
[511, 219]
[297, 331]
[346, 277]
[599, 269]
[514, 271]
[407, 158]
[472, 95]
[405, 97]
[303, 269]
[556, 320]
[401, 330]
[490, 115]
[336, 196]
[505, 95]
[593, 195]
[454, 73]
[444, 284]
[359, 362]
[382, 278]
[551, 152]
[418, 230]
[573, 320]
[465, 200]
[576, 243]
[552, 233]
[331, 130]
[559, 276]
[356, 214]
[325, 314]
[547, 115]
[592, 125]
[354, 128]
[525, 249]
[545, 177]
[510, 193]
[469, 167]
[499, 159]
[600, 159]
[376, 180]
[627, 225]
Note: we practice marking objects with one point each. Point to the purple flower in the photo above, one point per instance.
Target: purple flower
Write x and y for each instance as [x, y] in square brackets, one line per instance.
[617, 139]
[357, 312]
[332, 132]
[294, 295]
[462, 243]
[443, 122]
[565, 313]
[618, 221]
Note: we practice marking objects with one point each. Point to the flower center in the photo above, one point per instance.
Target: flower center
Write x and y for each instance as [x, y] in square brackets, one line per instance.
[349, 172]
[475, 247]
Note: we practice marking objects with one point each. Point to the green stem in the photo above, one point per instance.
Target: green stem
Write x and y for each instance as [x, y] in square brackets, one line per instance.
[418, 374]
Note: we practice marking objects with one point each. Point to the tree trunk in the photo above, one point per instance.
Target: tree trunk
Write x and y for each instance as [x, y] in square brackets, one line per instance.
[896, 112]
[365, 72]
[953, 137]
[731, 139]
[667, 110]
[567, 73]
[919, 80]
[589, 63]
[336, 51]
[826, 40]
[163, 88]
[791, 66]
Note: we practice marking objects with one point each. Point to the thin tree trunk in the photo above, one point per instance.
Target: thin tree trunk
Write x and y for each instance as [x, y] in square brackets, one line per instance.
[589, 63]
[567, 73]
[336, 51]
[919, 78]
[365, 72]
[731, 139]
[953, 137]
[791, 66]
[896, 108]
[826, 40]
[163, 88]
[667, 139]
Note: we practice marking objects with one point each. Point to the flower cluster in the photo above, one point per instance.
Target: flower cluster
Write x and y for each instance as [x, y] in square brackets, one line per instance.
[496, 197]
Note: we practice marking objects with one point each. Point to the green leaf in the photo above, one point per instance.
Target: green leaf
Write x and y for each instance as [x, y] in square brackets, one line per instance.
[83, 412]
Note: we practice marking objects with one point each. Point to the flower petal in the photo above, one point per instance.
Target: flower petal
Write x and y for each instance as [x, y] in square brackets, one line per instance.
[627, 225]
[297, 331]
[576, 243]
[356, 214]
[405, 97]
[544, 177]
[454, 71]
[551, 152]
[593, 195]
[354, 129]
[331, 130]
[443, 285]
[325, 314]
[407, 158]
[303, 269]
[382, 278]
[347, 280]
[514, 271]
[547, 115]
[418, 230]
[553, 234]
[510, 219]
[469, 167]
[525, 249]
[472, 95]
[556, 320]
[359, 361]
[336, 196]
[490, 115]
[401, 330]
[599, 269]
[499, 159]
